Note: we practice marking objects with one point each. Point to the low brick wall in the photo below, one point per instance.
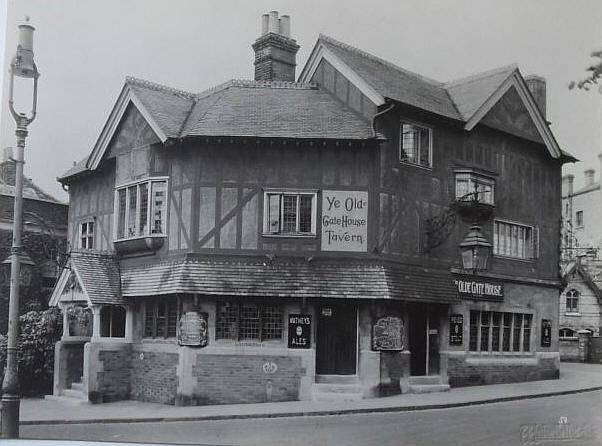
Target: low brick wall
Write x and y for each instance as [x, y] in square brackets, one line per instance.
[464, 373]
[595, 350]
[569, 350]
[230, 379]
[153, 377]
[114, 377]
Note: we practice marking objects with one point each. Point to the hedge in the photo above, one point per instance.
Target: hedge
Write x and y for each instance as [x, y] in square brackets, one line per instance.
[39, 331]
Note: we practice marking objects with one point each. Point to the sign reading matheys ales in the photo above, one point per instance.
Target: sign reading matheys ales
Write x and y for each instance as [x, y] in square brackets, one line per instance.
[344, 220]
[479, 289]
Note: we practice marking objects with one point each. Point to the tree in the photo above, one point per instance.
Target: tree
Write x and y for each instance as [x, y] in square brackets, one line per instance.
[594, 76]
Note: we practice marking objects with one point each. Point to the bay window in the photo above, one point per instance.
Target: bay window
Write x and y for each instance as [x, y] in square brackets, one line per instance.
[141, 209]
[473, 187]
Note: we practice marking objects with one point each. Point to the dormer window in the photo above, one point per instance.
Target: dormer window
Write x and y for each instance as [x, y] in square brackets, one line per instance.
[415, 145]
[141, 209]
[471, 186]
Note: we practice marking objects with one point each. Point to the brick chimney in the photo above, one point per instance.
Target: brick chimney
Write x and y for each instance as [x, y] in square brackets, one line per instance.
[537, 87]
[567, 185]
[8, 168]
[275, 51]
[589, 176]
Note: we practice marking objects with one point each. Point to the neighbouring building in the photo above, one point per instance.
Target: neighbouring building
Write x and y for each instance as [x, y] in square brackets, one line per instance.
[582, 214]
[362, 231]
[44, 239]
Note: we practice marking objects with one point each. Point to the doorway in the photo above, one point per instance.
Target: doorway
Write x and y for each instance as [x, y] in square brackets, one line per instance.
[423, 339]
[336, 339]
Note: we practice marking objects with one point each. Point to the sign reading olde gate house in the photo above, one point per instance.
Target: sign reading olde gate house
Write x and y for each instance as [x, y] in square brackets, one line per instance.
[479, 289]
[344, 220]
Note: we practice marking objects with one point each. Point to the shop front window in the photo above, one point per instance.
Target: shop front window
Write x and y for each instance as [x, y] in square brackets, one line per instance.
[160, 318]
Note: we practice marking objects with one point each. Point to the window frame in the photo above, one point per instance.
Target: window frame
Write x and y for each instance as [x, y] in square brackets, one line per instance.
[405, 159]
[153, 305]
[289, 192]
[575, 296]
[148, 231]
[478, 179]
[564, 329]
[533, 247]
[263, 319]
[506, 332]
[88, 235]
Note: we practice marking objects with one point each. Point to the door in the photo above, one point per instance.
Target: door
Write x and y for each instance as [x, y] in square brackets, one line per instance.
[424, 339]
[417, 339]
[336, 339]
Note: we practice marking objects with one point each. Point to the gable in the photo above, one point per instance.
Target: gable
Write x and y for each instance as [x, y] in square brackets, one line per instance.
[133, 131]
[68, 289]
[510, 115]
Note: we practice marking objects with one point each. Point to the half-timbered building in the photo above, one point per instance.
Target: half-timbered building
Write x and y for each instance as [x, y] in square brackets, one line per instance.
[271, 240]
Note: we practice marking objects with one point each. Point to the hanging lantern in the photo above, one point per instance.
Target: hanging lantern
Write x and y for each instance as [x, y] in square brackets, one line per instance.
[27, 266]
[475, 250]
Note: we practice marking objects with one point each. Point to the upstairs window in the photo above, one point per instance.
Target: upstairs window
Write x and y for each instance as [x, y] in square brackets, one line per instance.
[289, 213]
[514, 240]
[415, 144]
[572, 301]
[86, 234]
[579, 218]
[141, 209]
[471, 186]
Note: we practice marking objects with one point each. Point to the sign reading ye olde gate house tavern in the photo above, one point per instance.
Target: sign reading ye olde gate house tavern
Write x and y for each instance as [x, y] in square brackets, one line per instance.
[479, 289]
[344, 221]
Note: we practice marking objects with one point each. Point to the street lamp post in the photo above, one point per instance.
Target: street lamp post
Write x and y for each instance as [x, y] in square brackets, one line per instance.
[23, 66]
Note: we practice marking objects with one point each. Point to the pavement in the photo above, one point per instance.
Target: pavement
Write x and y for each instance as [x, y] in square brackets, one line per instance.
[574, 378]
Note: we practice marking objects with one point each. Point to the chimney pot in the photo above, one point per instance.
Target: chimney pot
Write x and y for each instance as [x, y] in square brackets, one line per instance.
[537, 87]
[265, 20]
[589, 176]
[285, 26]
[274, 25]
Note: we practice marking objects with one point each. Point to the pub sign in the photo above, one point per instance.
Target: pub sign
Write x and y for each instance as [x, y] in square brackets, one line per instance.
[387, 334]
[456, 329]
[479, 289]
[546, 332]
[345, 221]
[192, 329]
[299, 331]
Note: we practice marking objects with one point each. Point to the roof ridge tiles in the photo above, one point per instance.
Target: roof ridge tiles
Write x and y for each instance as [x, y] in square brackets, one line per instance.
[378, 59]
[131, 80]
[479, 76]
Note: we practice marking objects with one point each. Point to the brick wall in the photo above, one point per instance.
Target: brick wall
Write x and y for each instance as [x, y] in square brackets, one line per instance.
[595, 350]
[114, 377]
[462, 373]
[230, 379]
[153, 377]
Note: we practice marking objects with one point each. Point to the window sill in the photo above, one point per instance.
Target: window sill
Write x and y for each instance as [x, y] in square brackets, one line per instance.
[420, 166]
[142, 244]
[569, 313]
[289, 235]
[518, 259]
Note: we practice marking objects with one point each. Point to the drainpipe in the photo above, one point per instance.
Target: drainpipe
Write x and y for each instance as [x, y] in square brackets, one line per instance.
[380, 113]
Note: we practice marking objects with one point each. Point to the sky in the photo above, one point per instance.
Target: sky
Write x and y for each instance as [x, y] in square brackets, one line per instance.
[85, 49]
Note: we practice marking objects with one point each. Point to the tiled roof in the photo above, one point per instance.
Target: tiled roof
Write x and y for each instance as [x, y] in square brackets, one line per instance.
[457, 100]
[99, 273]
[30, 189]
[251, 108]
[295, 279]
[75, 169]
[469, 93]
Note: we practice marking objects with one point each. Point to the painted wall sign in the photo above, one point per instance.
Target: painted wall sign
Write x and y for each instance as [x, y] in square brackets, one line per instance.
[456, 329]
[546, 332]
[388, 334]
[479, 289]
[344, 220]
[192, 329]
[299, 331]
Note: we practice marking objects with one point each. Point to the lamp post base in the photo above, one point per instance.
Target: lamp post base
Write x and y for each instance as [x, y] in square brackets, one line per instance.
[10, 416]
